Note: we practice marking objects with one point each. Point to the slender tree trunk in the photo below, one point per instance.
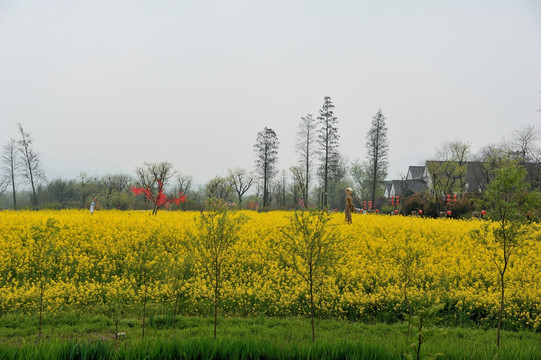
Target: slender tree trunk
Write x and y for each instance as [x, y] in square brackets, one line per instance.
[420, 338]
[326, 173]
[283, 190]
[176, 306]
[374, 180]
[502, 279]
[42, 290]
[216, 294]
[312, 308]
[408, 306]
[31, 176]
[34, 197]
[500, 315]
[144, 310]
[144, 303]
[307, 185]
[13, 189]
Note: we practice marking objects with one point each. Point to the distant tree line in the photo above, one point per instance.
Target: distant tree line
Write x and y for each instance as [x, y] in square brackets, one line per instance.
[317, 180]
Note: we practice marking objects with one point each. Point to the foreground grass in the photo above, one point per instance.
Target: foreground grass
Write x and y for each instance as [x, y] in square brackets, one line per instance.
[73, 336]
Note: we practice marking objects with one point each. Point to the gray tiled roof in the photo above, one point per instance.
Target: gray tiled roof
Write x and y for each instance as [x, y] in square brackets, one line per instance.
[415, 172]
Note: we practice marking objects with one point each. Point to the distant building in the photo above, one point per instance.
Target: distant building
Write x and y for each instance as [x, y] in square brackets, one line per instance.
[451, 177]
[388, 186]
[416, 173]
[402, 187]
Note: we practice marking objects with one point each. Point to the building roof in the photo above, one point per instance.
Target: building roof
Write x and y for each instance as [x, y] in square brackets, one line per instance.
[415, 172]
[399, 187]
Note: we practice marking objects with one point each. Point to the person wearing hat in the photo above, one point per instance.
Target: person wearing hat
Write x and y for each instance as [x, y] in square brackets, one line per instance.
[93, 206]
[349, 205]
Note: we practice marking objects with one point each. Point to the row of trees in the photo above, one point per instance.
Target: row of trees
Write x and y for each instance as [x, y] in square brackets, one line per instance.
[318, 179]
[318, 147]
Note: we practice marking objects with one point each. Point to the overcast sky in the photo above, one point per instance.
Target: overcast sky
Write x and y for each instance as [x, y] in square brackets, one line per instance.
[103, 86]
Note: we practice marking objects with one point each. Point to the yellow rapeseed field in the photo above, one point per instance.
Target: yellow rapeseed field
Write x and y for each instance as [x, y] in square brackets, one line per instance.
[387, 263]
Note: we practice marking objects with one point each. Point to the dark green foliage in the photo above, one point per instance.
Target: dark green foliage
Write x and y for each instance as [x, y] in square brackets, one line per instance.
[415, 203]
[461, 209]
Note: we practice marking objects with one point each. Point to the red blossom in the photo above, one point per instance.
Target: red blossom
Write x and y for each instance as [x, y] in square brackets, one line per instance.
[161, 199]
[137, 191]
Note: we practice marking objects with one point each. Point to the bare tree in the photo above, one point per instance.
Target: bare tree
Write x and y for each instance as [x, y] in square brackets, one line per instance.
[121, 182]
[328, 143]
[149, 174]
[457, 152]
[295, 190]
[306, 138]
[279, 190]
[240, 181]
[266, 148]
[153, 177]
[283, 193]
[299, 184]
[3, 186]
[219, 188]
[360, 172]
[84, 187]
[112, 183]
[492, 157]
[184, 183]
[11, 168]
[377, 155]
[524, 143]
[447, 175]
[31, 168]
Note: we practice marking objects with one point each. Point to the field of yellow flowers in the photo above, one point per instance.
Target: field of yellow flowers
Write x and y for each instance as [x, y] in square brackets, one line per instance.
[109, 261]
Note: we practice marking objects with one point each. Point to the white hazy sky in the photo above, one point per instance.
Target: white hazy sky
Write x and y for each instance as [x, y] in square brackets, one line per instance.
[105, 85]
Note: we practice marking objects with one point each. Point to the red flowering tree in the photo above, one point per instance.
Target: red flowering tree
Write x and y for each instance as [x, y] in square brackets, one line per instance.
[152, 178]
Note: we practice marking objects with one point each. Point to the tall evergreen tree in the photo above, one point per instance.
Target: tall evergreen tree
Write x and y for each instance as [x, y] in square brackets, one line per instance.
[266, 148]
[377, 155]
[328, 143]
[306, 137]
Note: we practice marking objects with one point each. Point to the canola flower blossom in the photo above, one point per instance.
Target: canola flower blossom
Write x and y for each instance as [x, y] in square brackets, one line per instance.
[112, 258]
